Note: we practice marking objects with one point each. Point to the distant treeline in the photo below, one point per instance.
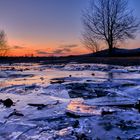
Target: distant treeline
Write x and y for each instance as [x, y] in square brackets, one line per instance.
[125, 61]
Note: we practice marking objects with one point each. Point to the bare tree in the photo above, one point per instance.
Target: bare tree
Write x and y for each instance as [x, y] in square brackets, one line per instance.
[90, 43]
[3, 44]
[110, 21]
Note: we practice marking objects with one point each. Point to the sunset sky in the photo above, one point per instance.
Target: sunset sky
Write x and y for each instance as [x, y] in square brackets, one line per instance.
[48, 27]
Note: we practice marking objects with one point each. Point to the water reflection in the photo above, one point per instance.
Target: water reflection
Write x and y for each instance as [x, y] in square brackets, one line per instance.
[80, 108]
[43, 75]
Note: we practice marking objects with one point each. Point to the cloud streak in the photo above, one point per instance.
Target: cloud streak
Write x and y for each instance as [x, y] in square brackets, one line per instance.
[63, 49]
[69, 46]
[18, 47]
[40, 52]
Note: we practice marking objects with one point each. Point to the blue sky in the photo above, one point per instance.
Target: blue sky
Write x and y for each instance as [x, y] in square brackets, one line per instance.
[45, 23]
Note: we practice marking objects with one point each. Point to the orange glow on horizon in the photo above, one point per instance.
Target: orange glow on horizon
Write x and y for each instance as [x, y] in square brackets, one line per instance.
[30, 52]
[27, 48]
[30, 49]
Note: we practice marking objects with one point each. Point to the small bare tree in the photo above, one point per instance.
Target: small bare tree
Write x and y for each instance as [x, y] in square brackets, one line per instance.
[3, 44]
[90, 43]
[110, 21]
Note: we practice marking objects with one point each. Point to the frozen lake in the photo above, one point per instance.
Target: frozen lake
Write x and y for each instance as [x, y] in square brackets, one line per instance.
[69, 102]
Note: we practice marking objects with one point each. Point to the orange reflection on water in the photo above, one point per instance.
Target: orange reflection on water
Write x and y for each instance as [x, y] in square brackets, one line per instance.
[80, 107]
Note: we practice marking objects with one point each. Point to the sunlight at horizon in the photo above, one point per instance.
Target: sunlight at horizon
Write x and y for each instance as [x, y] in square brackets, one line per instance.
[48, 28]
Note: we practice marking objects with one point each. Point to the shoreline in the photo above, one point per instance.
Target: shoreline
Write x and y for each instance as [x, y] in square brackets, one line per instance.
[122, 61]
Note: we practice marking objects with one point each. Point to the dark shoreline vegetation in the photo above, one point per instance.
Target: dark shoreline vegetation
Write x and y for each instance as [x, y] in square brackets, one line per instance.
[122, 57]
[122, 61]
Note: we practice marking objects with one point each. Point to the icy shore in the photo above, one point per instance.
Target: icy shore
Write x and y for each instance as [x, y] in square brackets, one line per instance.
[69, 102]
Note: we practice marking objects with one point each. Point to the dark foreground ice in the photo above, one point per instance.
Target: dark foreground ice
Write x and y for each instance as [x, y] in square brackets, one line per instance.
[69, 102]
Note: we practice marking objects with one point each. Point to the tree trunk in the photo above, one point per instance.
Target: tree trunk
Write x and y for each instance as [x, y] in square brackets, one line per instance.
[110, 48]
[110, 51]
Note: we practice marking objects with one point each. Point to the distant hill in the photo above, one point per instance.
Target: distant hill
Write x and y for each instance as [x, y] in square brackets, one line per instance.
[117, 52]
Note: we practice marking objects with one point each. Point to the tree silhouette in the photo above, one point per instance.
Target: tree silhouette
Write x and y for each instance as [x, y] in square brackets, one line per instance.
[90, 43]
[110, 21]
[3, 44]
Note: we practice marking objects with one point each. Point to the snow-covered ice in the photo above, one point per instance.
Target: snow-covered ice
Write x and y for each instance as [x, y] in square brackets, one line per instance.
[69, 101]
